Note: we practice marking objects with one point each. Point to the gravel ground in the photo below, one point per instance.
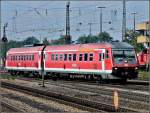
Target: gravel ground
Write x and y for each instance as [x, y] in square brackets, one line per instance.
[98, 96]
[25, 102]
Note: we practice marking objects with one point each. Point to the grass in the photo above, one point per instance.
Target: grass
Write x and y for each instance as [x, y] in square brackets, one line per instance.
[143, 75]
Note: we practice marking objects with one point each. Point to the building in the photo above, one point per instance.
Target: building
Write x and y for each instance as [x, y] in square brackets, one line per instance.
[144, 29]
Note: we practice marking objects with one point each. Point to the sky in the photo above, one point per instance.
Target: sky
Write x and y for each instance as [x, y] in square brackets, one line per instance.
[46, 19]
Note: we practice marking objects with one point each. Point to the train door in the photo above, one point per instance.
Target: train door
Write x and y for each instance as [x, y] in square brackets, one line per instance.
[102, 59]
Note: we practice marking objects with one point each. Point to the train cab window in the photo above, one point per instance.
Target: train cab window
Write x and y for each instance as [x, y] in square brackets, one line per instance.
[74, 57]
[65, 57]
[85, 56]
[70, 56]
[91, 57]
[80, 57]
[107, 54]
[61, 57]
[56, 57]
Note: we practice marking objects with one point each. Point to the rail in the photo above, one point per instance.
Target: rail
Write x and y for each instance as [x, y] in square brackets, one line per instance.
[77, 102]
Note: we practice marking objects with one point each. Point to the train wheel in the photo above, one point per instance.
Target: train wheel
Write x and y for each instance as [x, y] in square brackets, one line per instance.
[91, 77]
[54, 77]
[100, 80]
[123, 81]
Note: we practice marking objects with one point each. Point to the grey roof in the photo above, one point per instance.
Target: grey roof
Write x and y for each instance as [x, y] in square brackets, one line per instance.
[121, 45]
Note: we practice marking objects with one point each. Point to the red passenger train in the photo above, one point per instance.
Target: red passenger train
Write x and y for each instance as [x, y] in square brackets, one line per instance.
[116, 60]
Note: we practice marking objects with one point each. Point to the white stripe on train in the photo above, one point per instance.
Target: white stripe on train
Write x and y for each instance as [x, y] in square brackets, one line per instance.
[61, 69]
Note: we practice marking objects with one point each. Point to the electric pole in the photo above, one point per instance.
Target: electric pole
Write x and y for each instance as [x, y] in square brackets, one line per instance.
[134, 13]
[68, 37]
[124, 20]
[90, 30]
[101, 17]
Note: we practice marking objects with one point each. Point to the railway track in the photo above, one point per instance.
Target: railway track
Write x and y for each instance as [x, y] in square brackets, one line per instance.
[10, 107]
[74, 101]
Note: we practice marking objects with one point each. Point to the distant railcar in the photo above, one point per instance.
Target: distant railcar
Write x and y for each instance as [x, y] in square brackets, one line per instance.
[144, 58]
[116, 60]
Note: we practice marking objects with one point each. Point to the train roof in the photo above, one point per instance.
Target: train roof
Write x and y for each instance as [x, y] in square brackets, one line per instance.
[121, 45]
[90, 46]
[78, 46]
[25, 49]
[114, 45]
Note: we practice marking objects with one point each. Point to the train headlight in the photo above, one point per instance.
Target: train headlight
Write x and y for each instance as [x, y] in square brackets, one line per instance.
[136, 68]
[116, 68]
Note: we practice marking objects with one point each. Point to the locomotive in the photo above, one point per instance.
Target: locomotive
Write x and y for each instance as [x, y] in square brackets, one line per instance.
[115, 60]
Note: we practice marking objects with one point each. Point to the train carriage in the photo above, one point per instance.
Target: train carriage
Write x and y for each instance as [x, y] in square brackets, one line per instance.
[106, 60]
[26, 59]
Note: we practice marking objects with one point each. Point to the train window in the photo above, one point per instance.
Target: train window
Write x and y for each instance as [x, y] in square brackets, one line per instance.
[61, 57]
[70, 56]
[74, 57]
[29, 57]
[15, 57]
[52, 57]
[107, 54]
[101, 56]
[18, 57]
[56, 57]
[21, 57]
[91, 57]
[80, 57]
[85, 56]
[32, 57]
[65, 57]
[24, 57]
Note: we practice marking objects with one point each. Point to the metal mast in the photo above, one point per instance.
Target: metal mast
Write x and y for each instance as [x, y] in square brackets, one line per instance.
[101, 17]
[134, 13]
[68, 38]
[124, 20]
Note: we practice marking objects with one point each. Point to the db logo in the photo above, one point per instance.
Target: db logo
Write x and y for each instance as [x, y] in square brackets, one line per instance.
[74, 65]
[125, 64]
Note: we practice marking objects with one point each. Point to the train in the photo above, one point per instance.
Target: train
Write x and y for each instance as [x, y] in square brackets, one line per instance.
[144, 59]
[115, 60]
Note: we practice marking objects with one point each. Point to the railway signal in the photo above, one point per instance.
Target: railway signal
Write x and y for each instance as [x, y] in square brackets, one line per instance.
[4, 40]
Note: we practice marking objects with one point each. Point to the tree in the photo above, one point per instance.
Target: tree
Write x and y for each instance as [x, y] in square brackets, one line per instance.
[131, 38]
[31, 40]
[104, 37]
[45, 41]
[60, 41]
[87, 39]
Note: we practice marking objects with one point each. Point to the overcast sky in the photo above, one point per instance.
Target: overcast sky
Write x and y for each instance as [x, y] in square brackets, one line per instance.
[24, 20]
